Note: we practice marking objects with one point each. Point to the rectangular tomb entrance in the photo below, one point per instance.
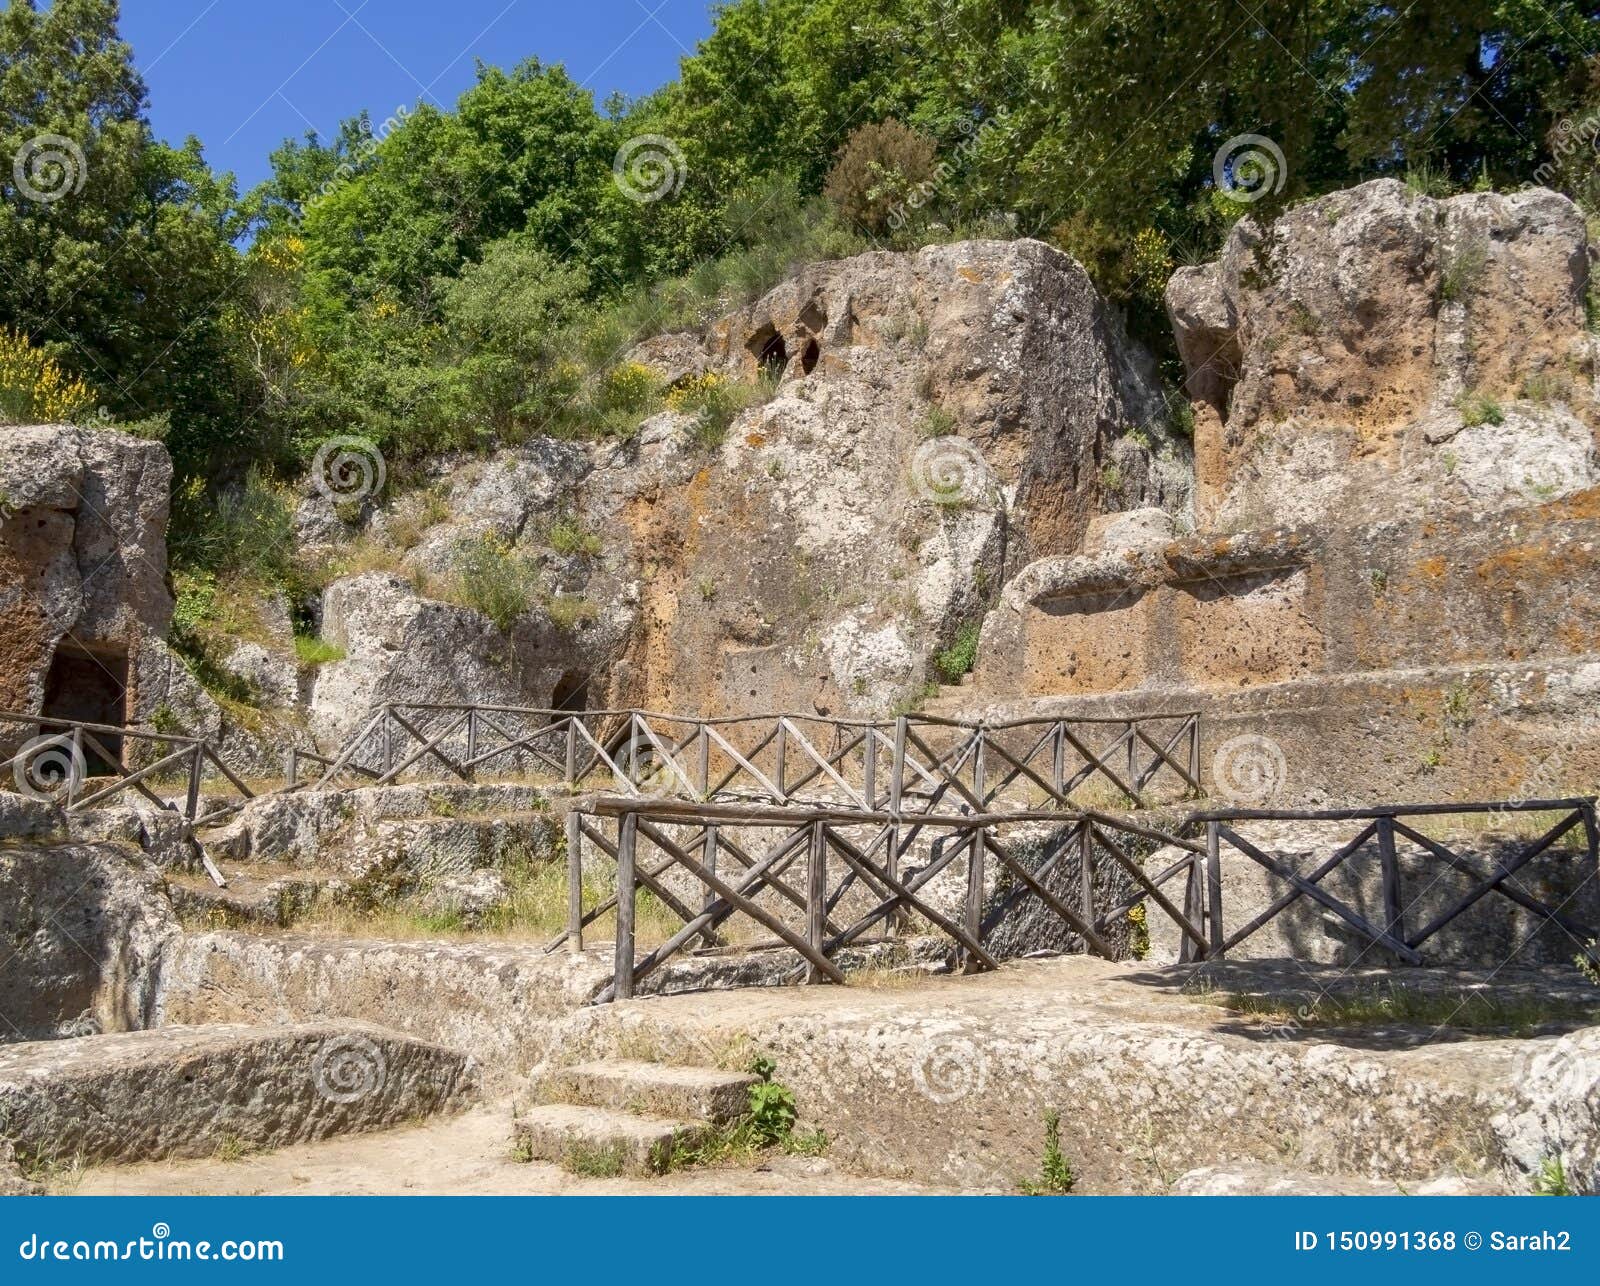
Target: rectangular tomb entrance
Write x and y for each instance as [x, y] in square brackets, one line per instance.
[89, 685]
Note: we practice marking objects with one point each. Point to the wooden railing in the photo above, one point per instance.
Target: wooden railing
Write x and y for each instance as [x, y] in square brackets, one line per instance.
[52, 761]
[49, 759]
[820, 880]
[1393, 930]
[907, 764]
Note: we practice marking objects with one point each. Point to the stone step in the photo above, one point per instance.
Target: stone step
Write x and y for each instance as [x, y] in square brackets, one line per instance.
[268, 895]
[600, 1142]
[194, 1091]
[688, 1093]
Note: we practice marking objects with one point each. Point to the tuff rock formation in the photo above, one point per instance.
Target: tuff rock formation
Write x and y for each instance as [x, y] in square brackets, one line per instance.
[937, 419]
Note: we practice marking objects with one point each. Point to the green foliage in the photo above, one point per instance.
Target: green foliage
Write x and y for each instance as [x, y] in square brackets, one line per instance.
[1551, 1181]
[1588, 961]
[495, 579]
[312, 652]
[244, 531]
[881, 169]
[1478, 408]
[958, 659]
[1056, 1178]
[458, 279]
[603, 1162]
[567, 535]
[768, 1123]
[1462, 270]
[772, 1111]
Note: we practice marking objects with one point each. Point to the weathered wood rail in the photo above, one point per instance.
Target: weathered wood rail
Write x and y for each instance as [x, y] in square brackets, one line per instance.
[51, 762]
[788, 872]
[909, 764]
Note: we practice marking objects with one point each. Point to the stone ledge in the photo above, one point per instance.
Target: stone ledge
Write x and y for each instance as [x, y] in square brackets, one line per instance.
[190, 1091]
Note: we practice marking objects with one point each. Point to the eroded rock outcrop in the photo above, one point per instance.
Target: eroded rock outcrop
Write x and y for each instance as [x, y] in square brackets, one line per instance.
[1392, 575]
[1377, 351]
[87, 925]
[936, 419]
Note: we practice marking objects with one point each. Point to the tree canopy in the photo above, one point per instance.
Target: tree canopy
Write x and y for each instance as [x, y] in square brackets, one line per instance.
[461, 277]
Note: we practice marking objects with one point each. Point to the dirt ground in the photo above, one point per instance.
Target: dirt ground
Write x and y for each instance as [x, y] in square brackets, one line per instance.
[466, 1155]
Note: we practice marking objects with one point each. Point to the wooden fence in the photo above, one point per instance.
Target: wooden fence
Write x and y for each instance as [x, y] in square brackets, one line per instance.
[909, 764]
[821, 880]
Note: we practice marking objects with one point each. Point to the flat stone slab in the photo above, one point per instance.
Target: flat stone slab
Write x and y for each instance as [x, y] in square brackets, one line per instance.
[195, 1091]
[691, 1093]
[600, 1142]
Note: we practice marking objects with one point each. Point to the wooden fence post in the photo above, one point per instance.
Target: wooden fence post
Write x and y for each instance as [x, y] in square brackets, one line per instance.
[574, 882]
[897, 782]
[1086, 874]
[816, 895]
[74, 772]
[196, 765]
[627, 853]
[1214, 888]
[974, 907]
[572, 752]
[1193, 910]
[1389, 870]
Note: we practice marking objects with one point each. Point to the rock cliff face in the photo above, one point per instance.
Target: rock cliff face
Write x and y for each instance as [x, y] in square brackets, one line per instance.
[1376, 352]
[83, 558]
[1393, 574]
[935, 419]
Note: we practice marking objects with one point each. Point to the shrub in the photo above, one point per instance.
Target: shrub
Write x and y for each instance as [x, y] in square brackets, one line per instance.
[958, 659]
[1478, 409]
[242, 531]
[566, 535]
[715, 402]
[1056, 1178]
[879, 167]
[34, 389]
[494, 579]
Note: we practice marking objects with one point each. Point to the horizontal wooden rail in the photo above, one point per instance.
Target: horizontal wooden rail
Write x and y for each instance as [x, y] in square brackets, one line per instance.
[1090, 872]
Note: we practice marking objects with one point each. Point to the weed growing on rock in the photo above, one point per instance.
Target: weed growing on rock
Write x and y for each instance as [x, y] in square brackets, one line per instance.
[1461, 271]
[768, 1123]
[1588, 961]
[1551, 1181]
[567, 535]
[595, 1163]
[496, 580]
[1477, 408]
[958, 659]
[1056, 1178]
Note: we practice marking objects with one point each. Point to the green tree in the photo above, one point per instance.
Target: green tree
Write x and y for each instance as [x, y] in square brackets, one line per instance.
[115, 249]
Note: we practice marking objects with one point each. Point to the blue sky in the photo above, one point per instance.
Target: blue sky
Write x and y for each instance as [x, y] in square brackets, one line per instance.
[245, 74]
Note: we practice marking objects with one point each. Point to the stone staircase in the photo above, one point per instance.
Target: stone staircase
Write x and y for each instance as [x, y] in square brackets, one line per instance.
[620, 1117]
